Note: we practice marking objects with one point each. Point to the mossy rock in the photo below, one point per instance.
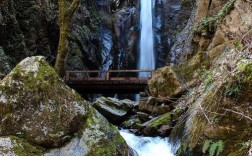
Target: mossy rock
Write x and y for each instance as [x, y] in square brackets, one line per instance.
[116, 111]
[37, 106]
[11, 145]
[97, 137]
[158, 126]
[165, 83]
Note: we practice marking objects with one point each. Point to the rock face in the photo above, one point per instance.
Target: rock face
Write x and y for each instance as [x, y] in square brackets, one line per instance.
[113, 109]
[31, 28]
[225, 95]
[38, 107]
[174, 18]
[25, 27]
[214, 116]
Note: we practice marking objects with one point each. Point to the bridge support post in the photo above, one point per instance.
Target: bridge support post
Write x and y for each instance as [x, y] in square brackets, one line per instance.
[67, 78]
[107, 75]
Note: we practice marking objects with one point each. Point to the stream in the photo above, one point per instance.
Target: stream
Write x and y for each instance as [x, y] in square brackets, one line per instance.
[147, 146]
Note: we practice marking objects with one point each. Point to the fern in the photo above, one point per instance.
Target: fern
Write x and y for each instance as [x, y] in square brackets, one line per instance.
[206, 145]
[220, 149]
[213, 149]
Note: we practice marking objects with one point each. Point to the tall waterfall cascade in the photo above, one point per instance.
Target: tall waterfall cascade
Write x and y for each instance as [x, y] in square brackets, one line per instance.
[147, 58]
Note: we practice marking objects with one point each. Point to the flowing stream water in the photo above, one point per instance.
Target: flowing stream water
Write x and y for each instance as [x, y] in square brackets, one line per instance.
[147, 146]
[147, 58]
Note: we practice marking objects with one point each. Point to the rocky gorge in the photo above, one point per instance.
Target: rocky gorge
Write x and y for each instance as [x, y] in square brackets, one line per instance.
[199, 97]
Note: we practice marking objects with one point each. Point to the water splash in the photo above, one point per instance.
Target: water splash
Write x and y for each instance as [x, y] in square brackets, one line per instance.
[147, 146]
[147, 59]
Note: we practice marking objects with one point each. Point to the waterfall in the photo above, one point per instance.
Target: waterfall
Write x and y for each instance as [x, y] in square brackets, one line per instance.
[147, 146]
[107, 43]
[147, 60]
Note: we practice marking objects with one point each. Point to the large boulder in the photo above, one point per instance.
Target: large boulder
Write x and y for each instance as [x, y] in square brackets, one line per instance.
[165, 83]
[97, 138]
[38, 107]
[113, 109]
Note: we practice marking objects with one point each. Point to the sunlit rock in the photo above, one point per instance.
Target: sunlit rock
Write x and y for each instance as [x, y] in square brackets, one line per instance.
[165, 83]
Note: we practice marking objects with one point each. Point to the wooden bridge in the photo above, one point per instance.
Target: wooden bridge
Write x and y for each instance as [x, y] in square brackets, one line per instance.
[108, 81]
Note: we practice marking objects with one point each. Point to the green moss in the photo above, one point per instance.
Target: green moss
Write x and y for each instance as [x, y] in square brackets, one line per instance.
[164, 119]
[41, 91]
[103, 145]
[193, 68]
[23, 148]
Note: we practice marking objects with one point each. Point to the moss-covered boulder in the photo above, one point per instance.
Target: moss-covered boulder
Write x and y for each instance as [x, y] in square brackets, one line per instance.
[39, 112]
[160, 126]
[165, 83]
[98, 137]
[116, 111]
[38, 106]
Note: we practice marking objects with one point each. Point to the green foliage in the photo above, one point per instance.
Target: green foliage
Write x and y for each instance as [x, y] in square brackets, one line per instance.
[206, 145]
[214, 148]
[220, 147]
[233, 90]
[238, 44]
[208, 24]
[245, 144]
[208, 79]
[216, 119]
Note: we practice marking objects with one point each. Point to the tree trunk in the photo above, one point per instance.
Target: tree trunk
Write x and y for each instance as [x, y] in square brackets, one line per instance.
[62, 49]
[65, 14]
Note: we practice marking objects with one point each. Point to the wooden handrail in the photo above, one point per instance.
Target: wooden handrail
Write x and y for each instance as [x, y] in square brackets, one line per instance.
[110, 71]
[106, 72]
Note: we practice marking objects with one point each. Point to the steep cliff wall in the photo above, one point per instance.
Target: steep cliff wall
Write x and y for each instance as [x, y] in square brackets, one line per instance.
[103, 33]
[212, 110]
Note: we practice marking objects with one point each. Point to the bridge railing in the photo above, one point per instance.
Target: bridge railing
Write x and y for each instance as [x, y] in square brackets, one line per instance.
[107, 75]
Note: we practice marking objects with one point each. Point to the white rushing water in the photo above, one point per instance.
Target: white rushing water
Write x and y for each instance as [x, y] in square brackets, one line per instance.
[147, 60]
[147, 146]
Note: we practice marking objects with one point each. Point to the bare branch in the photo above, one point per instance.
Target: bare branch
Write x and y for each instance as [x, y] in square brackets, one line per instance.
[73, 7]
[239, 113]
